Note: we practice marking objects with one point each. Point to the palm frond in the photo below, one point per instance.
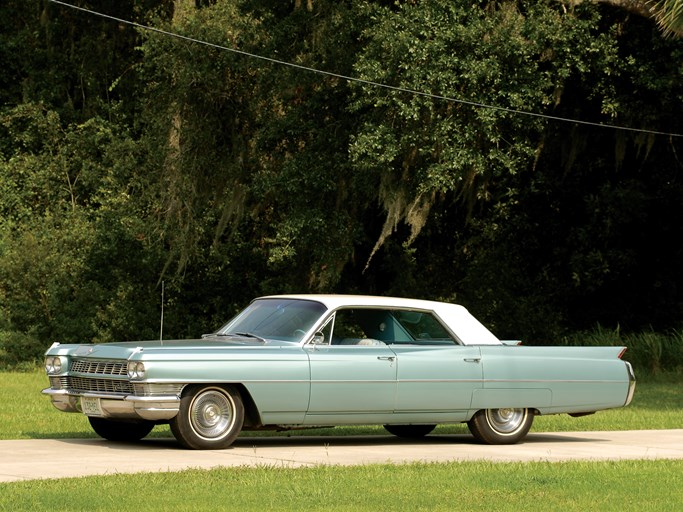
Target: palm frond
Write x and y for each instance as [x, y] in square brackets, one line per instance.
[669, 17]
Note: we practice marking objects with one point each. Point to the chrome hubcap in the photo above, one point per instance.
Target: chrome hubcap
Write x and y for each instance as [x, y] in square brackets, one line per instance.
[212, 414]
[506, 421]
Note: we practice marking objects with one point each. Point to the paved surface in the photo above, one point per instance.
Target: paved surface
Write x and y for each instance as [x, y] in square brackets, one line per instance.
[58, 458]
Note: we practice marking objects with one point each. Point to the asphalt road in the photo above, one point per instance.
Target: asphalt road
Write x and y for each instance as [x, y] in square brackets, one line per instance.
[59, 458]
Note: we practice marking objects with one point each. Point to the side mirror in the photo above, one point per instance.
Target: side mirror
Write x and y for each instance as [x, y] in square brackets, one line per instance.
[318, 339]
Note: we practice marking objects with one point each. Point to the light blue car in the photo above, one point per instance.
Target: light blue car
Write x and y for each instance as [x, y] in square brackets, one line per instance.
[293, 361]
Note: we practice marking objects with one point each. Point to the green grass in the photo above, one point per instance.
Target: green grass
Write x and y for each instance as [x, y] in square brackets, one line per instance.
[475, 486]
[658, 404]
[464, 486]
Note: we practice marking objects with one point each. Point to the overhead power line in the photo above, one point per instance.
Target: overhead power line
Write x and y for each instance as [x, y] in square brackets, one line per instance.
[361, 80]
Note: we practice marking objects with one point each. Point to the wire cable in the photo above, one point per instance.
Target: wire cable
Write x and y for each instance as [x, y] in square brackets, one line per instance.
[363, 81]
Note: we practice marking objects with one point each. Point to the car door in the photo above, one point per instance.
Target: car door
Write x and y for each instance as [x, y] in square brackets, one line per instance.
[353, 378]
[436, 382]
[436, 375]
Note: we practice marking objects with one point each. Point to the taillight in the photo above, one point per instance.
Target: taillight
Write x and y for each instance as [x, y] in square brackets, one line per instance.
[623, 350]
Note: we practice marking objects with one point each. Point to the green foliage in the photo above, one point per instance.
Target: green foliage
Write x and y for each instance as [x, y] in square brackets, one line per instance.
[541, 230]
[556, 241]
[669, 16]
[246, 148]
[420, 148]
[19, 350]
[649, 351]
[128, 158]
[76, 63]
[70, 242]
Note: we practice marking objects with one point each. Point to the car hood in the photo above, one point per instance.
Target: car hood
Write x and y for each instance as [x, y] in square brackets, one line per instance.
[123, 350]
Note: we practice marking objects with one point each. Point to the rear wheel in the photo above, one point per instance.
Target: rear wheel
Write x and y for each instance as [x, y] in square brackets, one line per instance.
[210, 417]
[409, 431]
[126, 431]
[501, 426]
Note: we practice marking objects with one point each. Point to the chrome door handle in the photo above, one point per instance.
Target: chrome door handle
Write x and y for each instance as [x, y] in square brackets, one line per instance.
[386, 358]
[472, 359]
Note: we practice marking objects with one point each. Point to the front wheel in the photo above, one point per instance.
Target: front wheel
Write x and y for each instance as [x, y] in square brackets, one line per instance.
[501, 426]
[210, 417]
[123, 431]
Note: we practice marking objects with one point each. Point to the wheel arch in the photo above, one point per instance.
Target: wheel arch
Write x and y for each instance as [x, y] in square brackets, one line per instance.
[252, 416]
[534, 411]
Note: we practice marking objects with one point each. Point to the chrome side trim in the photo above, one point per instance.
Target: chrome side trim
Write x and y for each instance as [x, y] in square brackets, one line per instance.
[555, 381]
[147, 389]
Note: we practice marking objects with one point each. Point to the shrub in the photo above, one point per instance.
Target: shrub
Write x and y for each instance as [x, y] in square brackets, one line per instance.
[648, 351]
[19, 350]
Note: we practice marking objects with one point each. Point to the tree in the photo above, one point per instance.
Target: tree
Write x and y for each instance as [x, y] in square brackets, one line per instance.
[131, 158]
[74, 262]
[668, 14]
[492, 208]
[670, 17]
[256, 151]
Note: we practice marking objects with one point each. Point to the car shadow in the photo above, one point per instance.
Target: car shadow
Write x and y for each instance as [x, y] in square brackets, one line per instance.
[379, 440]
[550, 437]
[284, 441]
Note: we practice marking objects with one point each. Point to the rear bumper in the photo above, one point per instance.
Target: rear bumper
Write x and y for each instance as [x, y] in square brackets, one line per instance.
[631, 383]
[153, 408]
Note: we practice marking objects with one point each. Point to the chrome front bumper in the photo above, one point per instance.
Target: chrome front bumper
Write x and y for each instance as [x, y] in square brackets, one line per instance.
[153, 408]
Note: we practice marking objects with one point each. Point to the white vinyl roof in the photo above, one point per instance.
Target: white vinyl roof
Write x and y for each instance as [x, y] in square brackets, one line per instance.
[467, 328]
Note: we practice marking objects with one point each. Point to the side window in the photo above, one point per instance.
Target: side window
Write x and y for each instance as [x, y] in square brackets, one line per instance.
[423, 327]
[382, 325]
[347, 328]
[365, 326]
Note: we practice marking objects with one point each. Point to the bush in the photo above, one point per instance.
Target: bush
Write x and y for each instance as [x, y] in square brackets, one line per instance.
[19, 350]
[648, 351]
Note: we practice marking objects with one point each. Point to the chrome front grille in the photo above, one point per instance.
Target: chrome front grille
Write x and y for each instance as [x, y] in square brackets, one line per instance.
[57, 382]
[84, 384]
[99, 367]
[102, 376]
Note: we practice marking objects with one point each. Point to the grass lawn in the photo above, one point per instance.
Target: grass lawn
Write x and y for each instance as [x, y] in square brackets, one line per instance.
[474, 486]
[658, 404]
[568, 486]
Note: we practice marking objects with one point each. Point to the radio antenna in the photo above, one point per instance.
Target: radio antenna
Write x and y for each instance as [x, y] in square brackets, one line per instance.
[161, 329]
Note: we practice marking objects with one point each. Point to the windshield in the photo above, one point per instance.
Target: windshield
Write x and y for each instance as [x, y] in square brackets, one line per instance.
[279, 319]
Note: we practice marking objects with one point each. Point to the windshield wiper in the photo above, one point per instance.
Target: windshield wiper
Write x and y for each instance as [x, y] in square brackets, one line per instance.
[235, 335]
[215, 335]
[246, 335]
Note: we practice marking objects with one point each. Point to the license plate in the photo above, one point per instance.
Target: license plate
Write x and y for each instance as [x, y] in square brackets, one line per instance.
[91, 406]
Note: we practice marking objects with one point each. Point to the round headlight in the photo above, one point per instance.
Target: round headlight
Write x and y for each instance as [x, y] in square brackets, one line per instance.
[136, 370]
[53, 364]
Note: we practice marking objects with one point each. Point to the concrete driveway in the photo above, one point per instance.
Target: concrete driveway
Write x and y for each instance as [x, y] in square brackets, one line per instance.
[59, 458]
